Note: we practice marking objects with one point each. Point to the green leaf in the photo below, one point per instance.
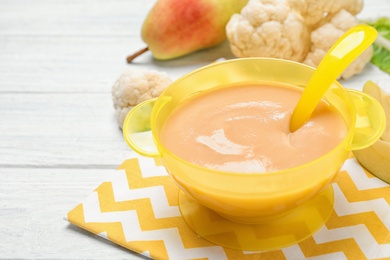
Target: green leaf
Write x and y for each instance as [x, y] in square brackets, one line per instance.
[381, 57]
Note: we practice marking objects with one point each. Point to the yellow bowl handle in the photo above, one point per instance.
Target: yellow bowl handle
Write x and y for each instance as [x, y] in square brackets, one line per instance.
[370, 120]
[137, 131]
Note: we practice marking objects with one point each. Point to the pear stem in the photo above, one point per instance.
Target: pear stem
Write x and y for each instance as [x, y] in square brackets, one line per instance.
[136, 54]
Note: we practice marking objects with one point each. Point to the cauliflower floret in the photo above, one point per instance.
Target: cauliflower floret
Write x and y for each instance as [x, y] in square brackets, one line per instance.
[134, 87]
[268, 28]
[315, 11]
[326, 35]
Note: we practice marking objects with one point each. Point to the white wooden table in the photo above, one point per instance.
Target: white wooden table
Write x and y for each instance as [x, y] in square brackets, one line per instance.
[58, 135]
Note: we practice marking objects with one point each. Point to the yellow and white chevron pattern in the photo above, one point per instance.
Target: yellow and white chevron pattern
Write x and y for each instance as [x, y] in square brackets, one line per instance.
[137, 209]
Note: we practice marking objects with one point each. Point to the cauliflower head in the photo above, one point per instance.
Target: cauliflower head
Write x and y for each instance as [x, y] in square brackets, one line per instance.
[268, 28]
[315, 11]
[134, 87]
[326, 35]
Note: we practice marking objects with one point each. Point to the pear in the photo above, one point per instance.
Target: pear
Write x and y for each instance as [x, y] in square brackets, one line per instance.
[376, 158]
[174, 28]
[376, 92]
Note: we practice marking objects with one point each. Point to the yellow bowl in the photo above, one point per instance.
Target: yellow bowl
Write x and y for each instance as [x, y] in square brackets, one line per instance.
[252, 198]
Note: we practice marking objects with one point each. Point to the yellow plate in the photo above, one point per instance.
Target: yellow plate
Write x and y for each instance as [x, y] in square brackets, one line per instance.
[285, 231]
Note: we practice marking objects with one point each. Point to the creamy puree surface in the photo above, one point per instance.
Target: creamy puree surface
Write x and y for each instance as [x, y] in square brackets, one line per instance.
[246, 129]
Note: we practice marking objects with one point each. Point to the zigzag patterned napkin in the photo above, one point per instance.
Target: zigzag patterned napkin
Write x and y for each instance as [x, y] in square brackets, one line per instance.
[137, 209]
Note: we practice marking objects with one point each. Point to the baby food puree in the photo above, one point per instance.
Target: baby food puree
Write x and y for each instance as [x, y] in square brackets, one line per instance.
[245, 128]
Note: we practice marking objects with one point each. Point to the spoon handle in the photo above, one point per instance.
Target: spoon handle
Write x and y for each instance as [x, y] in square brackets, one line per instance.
[348, 47]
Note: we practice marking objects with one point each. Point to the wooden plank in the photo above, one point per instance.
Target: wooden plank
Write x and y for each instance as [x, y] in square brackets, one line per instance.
[69, 46]
[91, 66]
[48, 130]
[34, 204]
[63, 64]
[82, 64]
[62, 17]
